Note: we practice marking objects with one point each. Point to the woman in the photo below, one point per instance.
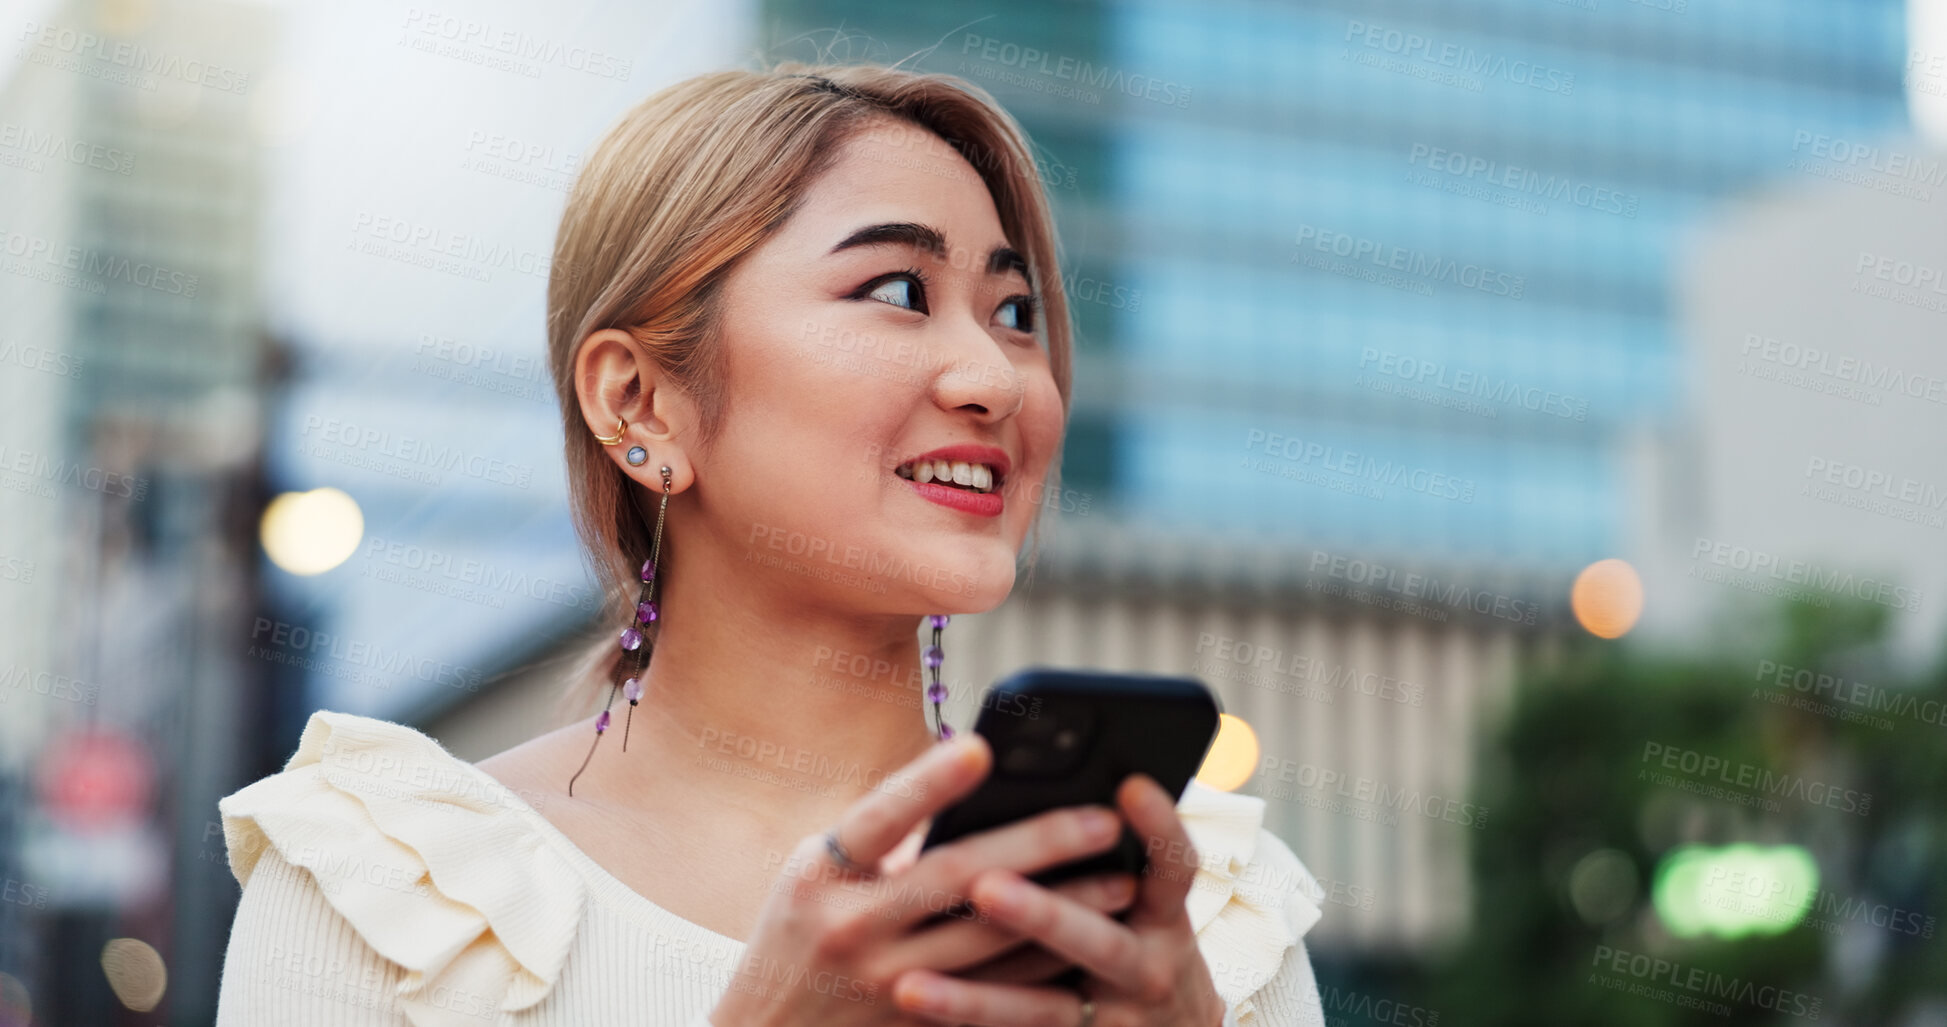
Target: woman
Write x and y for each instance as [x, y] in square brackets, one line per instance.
[807, 329]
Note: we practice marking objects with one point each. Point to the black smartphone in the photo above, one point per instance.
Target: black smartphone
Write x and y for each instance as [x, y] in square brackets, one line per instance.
[1070, 738]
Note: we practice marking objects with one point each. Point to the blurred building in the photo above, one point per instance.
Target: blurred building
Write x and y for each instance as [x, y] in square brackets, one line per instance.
[131, 382]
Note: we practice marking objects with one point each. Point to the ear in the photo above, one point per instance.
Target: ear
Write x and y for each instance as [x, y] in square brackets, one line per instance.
[615, 378]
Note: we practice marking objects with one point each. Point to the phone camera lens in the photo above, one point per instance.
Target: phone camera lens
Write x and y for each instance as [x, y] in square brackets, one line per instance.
[1065, 738]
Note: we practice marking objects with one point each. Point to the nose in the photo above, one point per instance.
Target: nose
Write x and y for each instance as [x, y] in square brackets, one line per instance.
[978, 378]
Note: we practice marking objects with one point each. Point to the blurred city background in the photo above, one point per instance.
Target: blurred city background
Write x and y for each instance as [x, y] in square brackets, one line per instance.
[1529, 415]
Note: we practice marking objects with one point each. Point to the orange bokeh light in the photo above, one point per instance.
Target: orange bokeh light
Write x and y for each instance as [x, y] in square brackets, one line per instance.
[1607, 598]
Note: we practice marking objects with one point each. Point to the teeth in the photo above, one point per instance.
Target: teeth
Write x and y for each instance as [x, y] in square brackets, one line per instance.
[976, 477]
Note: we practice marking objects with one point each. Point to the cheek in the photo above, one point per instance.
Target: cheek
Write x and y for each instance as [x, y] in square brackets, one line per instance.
[1042, 421]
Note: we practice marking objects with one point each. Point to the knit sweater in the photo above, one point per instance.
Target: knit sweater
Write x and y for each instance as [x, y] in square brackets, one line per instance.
[387, 882]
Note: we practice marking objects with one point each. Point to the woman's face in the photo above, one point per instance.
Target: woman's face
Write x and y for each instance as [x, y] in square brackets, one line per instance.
[887, 320]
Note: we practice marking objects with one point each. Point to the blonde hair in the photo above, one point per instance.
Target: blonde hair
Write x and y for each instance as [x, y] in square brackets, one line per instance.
[681, 187]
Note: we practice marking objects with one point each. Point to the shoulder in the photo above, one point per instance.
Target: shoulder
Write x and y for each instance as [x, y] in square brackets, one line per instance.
[434, 864]
[1252, 900]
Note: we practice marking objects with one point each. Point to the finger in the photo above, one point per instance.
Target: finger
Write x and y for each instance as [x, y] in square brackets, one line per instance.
[877, 822]
[943, 999]
[957, 944]
[1165, 892]
[1084, 936]
[1030, 963]
[1047, 839]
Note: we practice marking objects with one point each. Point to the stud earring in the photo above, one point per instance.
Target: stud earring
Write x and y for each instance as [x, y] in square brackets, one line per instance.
[621, 428]
[637, 456]
[631, 640]
[934, 656]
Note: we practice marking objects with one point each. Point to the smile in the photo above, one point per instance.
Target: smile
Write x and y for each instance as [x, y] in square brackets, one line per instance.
[973, 477]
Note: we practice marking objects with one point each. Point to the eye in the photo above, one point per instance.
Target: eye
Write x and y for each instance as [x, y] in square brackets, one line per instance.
[906, 289]
[1017, 312]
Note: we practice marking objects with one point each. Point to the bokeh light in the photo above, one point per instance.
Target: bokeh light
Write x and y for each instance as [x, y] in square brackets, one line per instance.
[135, 971]
[311, 532]
[1607, 598]
[1734, 890]
[1232, 757]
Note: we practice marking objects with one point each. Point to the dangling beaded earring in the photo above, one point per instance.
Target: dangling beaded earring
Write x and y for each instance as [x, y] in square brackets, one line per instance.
[936, 692]
[631, 640]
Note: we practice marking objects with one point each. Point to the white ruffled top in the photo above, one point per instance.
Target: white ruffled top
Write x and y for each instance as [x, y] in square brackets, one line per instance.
[388, 882]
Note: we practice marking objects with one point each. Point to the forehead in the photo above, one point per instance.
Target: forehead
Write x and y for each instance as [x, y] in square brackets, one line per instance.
[894, 167]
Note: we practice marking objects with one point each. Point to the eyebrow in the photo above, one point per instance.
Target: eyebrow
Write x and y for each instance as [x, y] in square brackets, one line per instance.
[906, 233]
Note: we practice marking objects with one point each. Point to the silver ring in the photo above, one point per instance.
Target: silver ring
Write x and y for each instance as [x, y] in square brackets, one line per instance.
[838, 853]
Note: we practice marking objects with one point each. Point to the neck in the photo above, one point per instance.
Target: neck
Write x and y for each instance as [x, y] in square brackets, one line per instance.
[755, 700]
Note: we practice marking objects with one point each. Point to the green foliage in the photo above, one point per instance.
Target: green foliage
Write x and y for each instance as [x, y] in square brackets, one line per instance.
[1580, 767]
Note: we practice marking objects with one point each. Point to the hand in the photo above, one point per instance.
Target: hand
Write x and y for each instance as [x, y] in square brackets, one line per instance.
[830, 941]
[1147, 971]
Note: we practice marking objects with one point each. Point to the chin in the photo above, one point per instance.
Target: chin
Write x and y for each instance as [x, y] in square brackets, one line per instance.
[970, 578]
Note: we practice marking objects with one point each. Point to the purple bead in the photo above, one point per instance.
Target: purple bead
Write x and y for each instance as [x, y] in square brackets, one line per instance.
[645, 612]
[936, 692]
[632, 690]
[601, 722]
[934, 657]
[946, 730]
[631, 639]
[939, 620]
[648, 570]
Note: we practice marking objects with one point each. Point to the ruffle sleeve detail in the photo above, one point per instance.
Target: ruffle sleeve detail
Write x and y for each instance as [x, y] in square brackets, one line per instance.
[1251, 899]
[427, 858]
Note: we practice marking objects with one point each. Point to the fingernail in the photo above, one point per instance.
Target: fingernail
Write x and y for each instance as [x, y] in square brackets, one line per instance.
[924, 994]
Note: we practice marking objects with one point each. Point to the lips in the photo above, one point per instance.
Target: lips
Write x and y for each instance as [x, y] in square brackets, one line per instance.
[963, 477]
